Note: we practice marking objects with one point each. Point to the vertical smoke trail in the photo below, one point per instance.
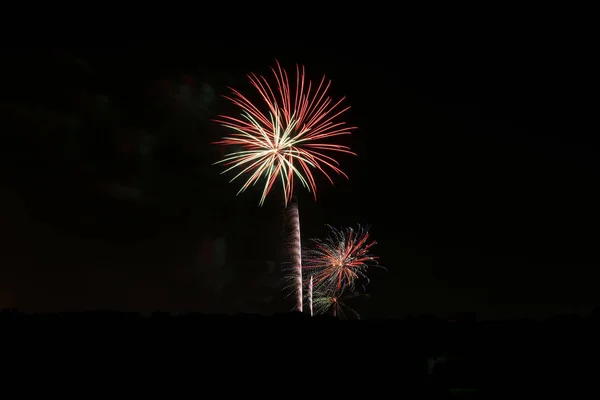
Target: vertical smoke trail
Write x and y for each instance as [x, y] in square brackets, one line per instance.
[310, 289]
[294, 250]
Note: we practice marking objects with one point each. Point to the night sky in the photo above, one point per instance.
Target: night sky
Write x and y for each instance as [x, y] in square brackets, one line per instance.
[477, 171]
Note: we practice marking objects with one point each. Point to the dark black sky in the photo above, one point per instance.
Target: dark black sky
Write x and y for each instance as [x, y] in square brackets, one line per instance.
[477, 170]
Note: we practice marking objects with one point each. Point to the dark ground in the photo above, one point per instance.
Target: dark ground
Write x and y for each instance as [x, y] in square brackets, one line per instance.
[418, 354]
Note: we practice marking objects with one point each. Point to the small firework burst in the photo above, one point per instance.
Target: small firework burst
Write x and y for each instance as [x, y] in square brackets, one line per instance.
[336, 304]
[336, 263]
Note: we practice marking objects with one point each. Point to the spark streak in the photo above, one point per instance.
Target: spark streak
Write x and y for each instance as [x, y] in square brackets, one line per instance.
[310, 296]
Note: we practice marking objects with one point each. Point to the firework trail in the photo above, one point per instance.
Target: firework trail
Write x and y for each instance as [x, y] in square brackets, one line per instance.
[286, 137]
[310, 295]
[335, 264]
[295, 251]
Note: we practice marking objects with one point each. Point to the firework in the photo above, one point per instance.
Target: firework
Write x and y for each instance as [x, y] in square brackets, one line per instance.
[285, 138]
[327, 302]
[335, 264]
[286, 135]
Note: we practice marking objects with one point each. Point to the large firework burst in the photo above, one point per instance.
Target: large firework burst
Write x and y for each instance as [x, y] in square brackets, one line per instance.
[338, 261]
[286, 137]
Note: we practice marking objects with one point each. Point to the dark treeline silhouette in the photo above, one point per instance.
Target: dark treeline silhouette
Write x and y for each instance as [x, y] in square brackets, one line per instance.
[460, 357]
